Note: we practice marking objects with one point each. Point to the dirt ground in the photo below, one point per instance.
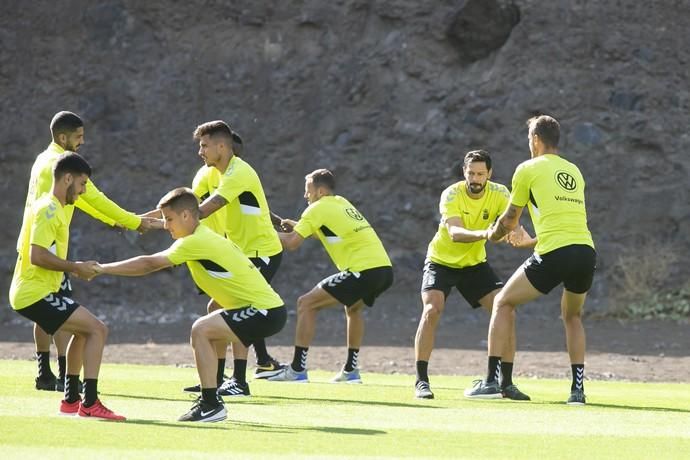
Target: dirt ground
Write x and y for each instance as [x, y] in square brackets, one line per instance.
[638, 351]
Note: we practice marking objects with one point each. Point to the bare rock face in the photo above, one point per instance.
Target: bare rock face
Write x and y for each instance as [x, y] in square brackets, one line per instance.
[389, 95]
[480, 27]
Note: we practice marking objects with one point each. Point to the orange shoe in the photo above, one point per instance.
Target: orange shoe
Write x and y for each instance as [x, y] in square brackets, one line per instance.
[69, 409]
[98, 410]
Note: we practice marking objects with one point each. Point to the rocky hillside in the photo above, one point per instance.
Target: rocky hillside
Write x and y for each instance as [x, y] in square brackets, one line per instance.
[387, 94]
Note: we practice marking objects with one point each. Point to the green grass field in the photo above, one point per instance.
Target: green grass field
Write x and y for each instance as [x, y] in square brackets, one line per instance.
[379, 419]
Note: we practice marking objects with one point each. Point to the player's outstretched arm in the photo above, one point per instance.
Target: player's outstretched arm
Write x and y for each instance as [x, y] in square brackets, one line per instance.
[292, 240]
[136, 266]
[211, 205]
[459, 234]
[505, 224]
[42, 257]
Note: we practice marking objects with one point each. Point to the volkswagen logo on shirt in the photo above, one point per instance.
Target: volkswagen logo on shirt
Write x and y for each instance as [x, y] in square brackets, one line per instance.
[566, 181]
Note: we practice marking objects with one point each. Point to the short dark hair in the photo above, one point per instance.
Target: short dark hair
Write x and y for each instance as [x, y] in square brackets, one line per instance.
[71, 163]
[65, 123]
[477, 156]
[322, 178]
[220, 128]
[180, 199]
[547, 128]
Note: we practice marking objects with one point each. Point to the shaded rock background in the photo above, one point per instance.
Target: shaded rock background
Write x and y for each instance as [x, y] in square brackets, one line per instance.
[387, 94]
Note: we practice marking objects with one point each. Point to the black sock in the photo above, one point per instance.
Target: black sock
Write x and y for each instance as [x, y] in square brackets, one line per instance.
[209, 396]
[62, 367]
[492, 371]
[578, 377]
[262, 356]
[220, 371]
[72, 388]
[422, 371]
[240, 370]
[299, 360]
[43, 358]
[506, 374]
[352, 354]
[90, 391]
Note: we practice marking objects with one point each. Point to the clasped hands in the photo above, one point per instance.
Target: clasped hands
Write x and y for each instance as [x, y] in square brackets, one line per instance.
[87, 270]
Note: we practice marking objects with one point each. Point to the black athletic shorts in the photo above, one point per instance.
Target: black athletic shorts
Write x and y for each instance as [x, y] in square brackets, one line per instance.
[268, 266]
[250, 324]
[572, 265]
[66, 286]
[349, 287]
[51, 312]
[473, 283]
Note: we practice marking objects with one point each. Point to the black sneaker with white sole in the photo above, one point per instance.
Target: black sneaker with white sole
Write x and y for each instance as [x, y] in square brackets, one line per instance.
[512, 392]
[202, 411]
[232, 387]
[269, 369]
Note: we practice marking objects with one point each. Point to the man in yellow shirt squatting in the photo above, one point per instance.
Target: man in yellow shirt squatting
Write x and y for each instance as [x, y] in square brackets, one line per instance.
[456, 257]
[365, 272]
[249, 308]
[36, 294]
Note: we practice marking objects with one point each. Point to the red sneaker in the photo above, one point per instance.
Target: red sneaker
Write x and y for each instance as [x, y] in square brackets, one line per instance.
[69, 409]
[98, 410]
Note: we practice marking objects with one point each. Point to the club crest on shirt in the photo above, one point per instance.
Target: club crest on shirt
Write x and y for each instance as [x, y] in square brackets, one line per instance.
[352, 212]
[485, 214]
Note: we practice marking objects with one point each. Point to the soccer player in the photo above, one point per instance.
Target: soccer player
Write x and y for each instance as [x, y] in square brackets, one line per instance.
[249, 308]
[67, 130]
[35, 290]
[456, 257]
[365, 272]
[554, 191]
[233, 195]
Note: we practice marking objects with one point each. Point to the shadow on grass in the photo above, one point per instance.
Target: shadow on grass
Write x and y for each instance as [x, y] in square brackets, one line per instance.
[347, 401]
[624, 407]
[293, 429]
[185, 425]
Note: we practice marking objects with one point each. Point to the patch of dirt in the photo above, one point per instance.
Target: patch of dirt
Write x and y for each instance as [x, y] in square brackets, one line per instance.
[649, 351]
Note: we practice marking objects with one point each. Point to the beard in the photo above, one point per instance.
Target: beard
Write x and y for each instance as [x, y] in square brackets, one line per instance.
[70, 196]
[476, 188]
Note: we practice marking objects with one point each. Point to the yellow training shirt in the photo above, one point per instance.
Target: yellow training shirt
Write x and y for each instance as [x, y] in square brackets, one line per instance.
[554, 190]
[348, 238]
[476, 214]
[49, 228]
[205, 183]
[222, 271]
[92, 201]
[248, 221]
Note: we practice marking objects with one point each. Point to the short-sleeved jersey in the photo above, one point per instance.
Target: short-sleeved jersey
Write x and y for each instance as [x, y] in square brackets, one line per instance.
[49, 228]
[348, 238]
[554, 190]
[92, 201]
[476, 214]
[205, 183]
[221, 270]
[247, 221]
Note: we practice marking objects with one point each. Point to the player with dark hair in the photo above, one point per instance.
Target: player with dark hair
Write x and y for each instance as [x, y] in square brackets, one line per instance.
[35, 291]
[554, 191]
[365, 272]
[67, 130]
[249, 308]
[456, 257]
[234, 205]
